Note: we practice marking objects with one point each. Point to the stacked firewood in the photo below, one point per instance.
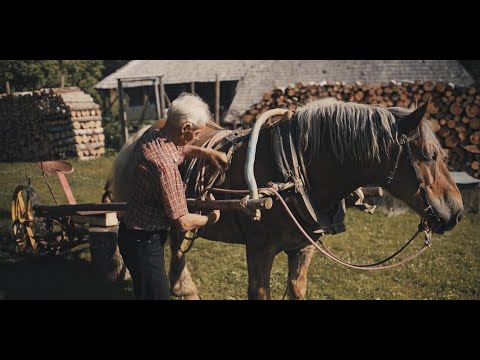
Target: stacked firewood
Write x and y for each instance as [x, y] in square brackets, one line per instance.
[50, 124]
[454, 111]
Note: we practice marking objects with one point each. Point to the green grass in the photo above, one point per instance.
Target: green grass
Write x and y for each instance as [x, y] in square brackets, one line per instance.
[448, 270]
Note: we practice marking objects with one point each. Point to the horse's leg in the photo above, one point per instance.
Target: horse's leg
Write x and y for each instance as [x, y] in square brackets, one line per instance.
[181, 283]
[298, 263]
[259, 262]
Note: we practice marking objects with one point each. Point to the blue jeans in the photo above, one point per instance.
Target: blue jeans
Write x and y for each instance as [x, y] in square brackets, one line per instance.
[142, 252]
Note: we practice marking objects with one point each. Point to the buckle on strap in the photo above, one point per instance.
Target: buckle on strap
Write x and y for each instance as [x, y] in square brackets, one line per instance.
[405, 139]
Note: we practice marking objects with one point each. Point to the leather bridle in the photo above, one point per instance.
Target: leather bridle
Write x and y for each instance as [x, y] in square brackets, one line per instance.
[431, 219]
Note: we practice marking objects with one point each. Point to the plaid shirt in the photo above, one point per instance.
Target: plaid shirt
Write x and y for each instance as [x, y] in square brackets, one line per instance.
[156, 191]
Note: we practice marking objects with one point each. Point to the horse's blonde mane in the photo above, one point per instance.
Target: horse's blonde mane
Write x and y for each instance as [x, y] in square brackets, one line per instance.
[353, 131]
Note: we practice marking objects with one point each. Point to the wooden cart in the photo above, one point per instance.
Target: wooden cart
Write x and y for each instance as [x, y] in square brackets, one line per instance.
[38, 228]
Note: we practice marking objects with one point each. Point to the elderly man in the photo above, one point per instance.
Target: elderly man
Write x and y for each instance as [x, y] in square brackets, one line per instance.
[156, 194]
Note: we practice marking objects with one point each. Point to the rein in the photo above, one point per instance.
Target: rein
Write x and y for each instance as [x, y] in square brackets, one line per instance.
[423, 226]
[327, 252]
[405, 141]
[432, 217]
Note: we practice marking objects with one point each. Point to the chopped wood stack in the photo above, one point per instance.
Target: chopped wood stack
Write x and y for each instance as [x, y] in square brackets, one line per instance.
[454, 111]
[50, 124]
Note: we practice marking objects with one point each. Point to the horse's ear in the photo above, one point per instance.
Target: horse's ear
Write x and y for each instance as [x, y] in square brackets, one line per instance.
[412, 121]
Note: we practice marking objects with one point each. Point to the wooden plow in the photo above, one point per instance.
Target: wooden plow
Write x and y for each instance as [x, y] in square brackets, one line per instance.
[39, 228]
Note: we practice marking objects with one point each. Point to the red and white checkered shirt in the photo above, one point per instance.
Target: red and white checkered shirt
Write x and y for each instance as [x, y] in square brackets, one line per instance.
[156, 190]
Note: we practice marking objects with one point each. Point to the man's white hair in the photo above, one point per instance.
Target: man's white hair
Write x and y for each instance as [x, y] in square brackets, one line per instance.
[188, 107]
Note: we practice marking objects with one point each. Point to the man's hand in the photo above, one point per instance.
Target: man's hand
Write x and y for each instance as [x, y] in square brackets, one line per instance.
[194, 221]
[214, 216]
[218, 159]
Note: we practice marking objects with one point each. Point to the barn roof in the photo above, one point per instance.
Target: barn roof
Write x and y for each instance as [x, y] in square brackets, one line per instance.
[269, 73]
[473, 67]
[178, 71]
[257, 76]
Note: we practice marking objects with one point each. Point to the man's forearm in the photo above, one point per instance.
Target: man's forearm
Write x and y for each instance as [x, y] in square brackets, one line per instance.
[194, 221]
[192, 151]
[217, 158]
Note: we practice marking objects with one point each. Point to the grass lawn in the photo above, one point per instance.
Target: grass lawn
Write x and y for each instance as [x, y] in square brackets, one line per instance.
[449, 270]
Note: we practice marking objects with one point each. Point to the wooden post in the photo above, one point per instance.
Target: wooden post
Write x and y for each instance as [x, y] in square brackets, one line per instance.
[157, 99]
[7, 87]
[162, 97]
[105, 255]
[62, 80]
[121, 111]
[192, 84]
[217, 100]
[145, 105]
[168, 102]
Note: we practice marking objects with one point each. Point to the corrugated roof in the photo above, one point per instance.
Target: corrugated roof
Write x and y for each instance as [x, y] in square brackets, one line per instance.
[473, 67]
[257, 76]
[269, 73]
[178, 71]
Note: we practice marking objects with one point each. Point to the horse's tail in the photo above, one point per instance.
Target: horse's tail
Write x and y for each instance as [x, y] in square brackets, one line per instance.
[116, 186]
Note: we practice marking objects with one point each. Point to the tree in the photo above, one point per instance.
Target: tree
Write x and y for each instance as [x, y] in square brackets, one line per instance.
[112, 66]
[28, 75]
[83, 74]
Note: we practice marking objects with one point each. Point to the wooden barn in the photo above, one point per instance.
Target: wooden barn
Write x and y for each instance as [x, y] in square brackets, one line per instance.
[143, 82]
[230, 87]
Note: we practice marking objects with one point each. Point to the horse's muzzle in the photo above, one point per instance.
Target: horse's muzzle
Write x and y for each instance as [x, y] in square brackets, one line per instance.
[447, 226]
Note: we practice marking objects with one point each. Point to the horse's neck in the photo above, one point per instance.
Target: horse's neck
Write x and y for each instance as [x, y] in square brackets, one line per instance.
[331, 181]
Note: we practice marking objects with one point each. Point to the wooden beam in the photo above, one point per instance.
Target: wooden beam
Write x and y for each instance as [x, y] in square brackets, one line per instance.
[69, 210]
[193, 204]
[229, 205]
[121, 111]
[162, 97]
[106, 219]
[167, 99]
[7, 87]
[157, 99]
[374, 191]
[139, 78]
[192, 85]
[217, 100]
[145, 105]
[66, 188]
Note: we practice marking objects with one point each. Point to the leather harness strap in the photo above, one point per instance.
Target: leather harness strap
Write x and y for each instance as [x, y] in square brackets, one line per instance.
[289, 163]
[432, 216]
[292, 168]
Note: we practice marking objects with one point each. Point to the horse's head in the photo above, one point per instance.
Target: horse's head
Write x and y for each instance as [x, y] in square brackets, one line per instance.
[395, 148]
[419, 175]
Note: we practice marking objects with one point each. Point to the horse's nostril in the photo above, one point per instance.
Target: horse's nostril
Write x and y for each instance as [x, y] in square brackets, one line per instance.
[459, 216]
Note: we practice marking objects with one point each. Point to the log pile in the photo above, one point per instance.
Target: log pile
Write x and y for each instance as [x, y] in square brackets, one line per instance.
[454, 112]
[50, 124]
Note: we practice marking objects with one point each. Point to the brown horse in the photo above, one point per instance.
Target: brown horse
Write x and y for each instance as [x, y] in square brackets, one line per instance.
[345, 146]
